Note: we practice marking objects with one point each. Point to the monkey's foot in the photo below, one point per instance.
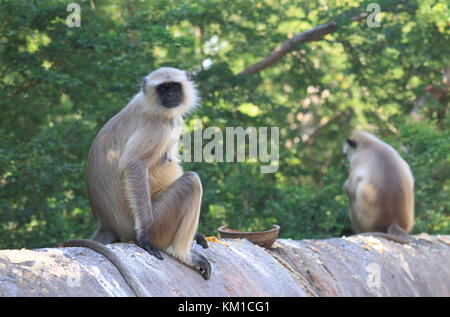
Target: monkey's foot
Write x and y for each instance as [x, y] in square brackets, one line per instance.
[200, 239]
[150, 249]
[202, 265]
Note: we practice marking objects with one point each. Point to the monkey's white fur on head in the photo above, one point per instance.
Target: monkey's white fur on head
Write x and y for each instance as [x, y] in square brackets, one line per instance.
[165, 75]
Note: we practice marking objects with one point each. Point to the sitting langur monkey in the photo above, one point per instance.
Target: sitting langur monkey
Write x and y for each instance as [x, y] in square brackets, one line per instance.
[380, 188]
[137, 190]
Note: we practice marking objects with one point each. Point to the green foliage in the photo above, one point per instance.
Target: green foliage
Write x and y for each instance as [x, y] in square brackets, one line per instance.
[59, 85]
[428, 154]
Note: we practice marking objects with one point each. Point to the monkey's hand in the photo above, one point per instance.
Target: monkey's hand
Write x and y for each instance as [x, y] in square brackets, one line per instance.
[145, 244]
[200, 239]
[202, 265]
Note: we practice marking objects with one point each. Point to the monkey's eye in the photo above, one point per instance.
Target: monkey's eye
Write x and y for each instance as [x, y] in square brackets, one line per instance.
[169, 86]
[352, 143]
[162, 88]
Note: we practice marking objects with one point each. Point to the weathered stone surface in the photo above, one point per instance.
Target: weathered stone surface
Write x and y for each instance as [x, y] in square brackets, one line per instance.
[242, 269]
[332, 267]
[368, 266]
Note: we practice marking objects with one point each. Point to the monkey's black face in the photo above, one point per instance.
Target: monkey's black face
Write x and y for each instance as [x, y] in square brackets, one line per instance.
[170, 94]
[352, 143]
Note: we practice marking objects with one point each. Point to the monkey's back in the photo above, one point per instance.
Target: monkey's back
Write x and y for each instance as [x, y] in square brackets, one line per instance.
[386, 192]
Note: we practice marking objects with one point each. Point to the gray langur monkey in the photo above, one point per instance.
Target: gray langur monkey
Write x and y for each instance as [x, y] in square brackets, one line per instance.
[137, 189]
[380, 188]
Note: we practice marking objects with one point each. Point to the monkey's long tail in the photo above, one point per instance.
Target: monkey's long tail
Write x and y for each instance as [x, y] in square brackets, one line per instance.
[129, 276]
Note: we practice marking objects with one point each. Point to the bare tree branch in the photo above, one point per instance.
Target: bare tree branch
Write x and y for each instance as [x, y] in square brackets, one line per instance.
[314, 34]
[22, 89]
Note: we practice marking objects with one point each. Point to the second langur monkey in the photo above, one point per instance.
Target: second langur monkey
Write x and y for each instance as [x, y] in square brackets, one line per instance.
[380, 188]
[137, 189]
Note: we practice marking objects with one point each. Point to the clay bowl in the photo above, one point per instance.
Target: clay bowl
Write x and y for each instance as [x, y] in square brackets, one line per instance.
[262, 238]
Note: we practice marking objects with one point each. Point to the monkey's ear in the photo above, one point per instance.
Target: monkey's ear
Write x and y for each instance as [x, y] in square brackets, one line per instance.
[189, 75]
[352, 143]
[144, 82]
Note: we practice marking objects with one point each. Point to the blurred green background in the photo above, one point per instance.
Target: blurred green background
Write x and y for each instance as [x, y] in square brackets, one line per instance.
[59, 85]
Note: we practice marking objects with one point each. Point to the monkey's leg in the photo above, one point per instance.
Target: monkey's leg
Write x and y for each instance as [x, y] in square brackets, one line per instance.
[397, 231]
[394, 229]
[394, 233]
[177, 210]
[105, 236]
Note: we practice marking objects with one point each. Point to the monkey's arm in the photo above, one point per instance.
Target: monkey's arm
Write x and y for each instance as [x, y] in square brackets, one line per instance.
[133, 166]
[133, 282]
